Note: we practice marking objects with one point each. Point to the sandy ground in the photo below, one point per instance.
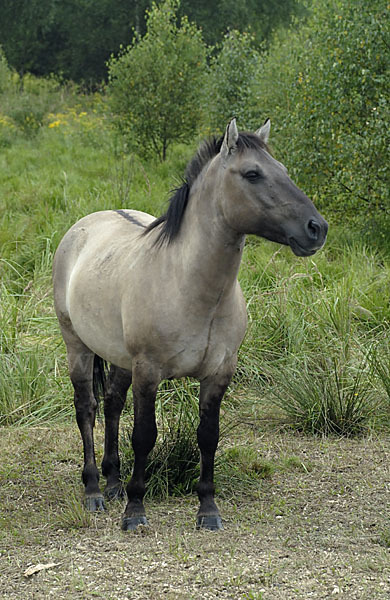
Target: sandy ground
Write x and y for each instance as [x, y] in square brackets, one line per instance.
[319, 529]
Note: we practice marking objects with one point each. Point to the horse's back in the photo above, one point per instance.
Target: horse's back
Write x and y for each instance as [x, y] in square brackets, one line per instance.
[92, 231]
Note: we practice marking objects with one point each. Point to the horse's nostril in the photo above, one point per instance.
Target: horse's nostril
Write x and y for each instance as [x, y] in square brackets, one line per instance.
[313, 229]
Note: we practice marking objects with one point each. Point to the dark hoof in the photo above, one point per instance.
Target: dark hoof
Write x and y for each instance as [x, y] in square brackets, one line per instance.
[212, 522]
[131, 523]
[94, 503]
[114, 493]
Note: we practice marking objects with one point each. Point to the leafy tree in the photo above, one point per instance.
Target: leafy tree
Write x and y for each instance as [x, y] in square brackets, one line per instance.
[74, 38]
[87, 32]
[327, 85]
[23, 26]
[259, 17]
[154, 85]
[230, 89]
[77, 37]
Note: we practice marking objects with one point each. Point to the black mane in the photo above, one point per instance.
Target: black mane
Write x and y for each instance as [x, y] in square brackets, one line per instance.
[171, 220]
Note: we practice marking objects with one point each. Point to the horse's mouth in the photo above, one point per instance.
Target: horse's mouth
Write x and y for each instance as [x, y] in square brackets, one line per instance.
[300, 250]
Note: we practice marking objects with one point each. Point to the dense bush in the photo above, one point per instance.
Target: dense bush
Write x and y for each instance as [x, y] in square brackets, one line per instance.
[327, 84]
[27, 102]
[5, 73]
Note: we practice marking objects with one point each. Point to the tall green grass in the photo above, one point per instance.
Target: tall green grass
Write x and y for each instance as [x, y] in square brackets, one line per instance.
[314, 327]
[34, 385]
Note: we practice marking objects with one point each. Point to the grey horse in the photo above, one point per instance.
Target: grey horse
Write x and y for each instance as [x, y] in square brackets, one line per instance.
[160, 299]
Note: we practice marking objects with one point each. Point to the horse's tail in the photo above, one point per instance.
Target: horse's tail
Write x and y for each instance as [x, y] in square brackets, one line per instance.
[100, 369]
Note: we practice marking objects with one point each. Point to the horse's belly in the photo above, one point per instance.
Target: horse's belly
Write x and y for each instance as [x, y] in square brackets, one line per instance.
[105, 340]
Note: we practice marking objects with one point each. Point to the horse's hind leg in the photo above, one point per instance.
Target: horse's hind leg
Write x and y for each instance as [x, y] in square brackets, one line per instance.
[118, 383]
[145, 384]
[212, 390]
[80, 360]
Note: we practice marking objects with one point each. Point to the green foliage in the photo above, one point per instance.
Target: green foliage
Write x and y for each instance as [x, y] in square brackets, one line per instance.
[30, 377]
[155, 84]
[327, 85]
[26, 103]
[325, 396]
[31, 101]
[231, 84]
[313, 326]
[23, 26]
[73, 38]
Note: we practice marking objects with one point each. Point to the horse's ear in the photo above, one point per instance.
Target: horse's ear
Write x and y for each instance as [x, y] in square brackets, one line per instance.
[229, 143]
[264, 131]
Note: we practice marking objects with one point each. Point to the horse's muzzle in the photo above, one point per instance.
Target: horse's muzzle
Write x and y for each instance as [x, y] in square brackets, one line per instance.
[313, 239]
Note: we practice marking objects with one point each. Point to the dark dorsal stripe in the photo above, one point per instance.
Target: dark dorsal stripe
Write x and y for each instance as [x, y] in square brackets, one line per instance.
[126, 215]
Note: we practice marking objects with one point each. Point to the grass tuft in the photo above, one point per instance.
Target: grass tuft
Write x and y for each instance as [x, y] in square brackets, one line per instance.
[322, 396]
[73, 514]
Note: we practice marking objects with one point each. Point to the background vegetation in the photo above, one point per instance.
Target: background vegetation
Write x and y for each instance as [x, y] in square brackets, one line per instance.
[316, 354]
[77, 37]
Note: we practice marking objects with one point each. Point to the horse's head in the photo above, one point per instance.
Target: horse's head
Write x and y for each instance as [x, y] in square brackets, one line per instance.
[260, 198]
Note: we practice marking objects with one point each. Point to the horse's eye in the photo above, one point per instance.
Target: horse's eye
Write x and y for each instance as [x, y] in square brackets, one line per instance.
[252, 176]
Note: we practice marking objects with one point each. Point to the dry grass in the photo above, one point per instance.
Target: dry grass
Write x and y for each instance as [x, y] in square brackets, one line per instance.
[316, 528]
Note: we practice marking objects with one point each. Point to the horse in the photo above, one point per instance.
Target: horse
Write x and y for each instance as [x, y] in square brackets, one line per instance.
[159, 298]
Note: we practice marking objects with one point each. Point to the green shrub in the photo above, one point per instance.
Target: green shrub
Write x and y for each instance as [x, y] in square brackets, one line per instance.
[26, 103]
[154, 85]
[5, 73]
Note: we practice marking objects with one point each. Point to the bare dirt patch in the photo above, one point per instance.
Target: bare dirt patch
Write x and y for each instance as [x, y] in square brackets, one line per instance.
[317, 528]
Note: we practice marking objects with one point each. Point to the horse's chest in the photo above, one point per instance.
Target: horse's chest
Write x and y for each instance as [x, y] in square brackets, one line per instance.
[202, 351]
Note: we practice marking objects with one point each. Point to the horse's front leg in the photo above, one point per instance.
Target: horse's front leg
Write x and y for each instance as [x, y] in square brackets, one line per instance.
[118, 383]
[212, 390]
[145, 384]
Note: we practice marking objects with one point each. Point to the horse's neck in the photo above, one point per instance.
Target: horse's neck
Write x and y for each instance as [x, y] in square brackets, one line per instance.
[211, 251]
